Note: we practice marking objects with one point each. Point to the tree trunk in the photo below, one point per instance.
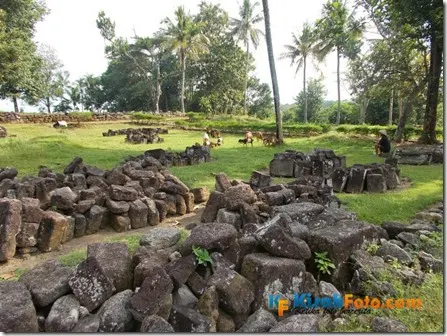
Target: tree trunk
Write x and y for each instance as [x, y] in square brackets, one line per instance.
[268, 37]
[158, 90]
[399, 102]
[16, 104]
[408, 108]
[48, 104]
[363, 106]
[182, 91]
[429, 131]
[305, 93]
[246, 76]
[338, 86]
[390, 114]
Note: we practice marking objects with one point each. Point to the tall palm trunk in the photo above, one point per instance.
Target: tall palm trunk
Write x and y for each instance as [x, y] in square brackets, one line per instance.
[338, 86]
[390, 113]
[268, 36]
[399, 103]
[304, 88]
[48, 104]
[16, 104]
[429, 132]
[182, 91]
[246, 74]
[158, 90]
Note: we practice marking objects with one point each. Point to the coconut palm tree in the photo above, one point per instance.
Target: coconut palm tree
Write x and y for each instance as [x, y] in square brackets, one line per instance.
[244, 29]
[184, 36]
[268, 37]
[338, 30]
[302, 47]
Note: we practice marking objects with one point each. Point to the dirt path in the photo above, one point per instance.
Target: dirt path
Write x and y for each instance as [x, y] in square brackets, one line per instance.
[82, 242]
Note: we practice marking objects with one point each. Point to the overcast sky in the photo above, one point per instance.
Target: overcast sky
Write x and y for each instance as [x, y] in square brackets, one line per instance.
[71, 30]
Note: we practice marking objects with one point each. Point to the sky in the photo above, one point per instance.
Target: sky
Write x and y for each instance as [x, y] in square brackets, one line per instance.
[71, 30]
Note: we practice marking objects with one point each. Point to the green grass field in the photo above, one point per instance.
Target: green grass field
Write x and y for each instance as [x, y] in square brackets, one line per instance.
[36, 145]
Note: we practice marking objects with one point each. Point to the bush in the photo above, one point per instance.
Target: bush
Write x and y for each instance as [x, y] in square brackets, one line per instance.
[82, 116]
[145, 116]
[410, 132]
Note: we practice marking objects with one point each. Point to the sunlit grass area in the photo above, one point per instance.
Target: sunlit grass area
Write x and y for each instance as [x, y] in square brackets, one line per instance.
[36, 145]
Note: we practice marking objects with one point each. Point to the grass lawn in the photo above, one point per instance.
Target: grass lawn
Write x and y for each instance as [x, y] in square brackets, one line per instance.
[37, 145]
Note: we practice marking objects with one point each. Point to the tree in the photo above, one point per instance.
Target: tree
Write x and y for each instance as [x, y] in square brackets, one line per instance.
[221, 78]
[259, 99]
[186, 39]
[349, 113]
[423, 22]
[303, 46]
[244, 29]
[268, 37]
[363, 77]
[153, 47]
[93, 98]
[53, 78]
[338, 30]
[19, 65]
[312, 100]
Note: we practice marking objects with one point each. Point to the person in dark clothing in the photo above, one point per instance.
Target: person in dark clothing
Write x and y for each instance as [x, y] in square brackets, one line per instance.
[383, 146]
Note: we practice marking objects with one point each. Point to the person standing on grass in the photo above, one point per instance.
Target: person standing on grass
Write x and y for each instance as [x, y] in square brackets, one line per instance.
[383, 146]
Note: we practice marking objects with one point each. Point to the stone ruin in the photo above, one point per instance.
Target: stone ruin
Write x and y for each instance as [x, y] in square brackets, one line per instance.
[321, 162]
[261, 241]
[139, 135]
[41, 213]
[373, 178]
[3, 132]
[193, 155]
[419, 155]
[332, 168]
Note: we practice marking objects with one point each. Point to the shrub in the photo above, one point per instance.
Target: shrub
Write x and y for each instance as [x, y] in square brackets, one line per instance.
[82, 116]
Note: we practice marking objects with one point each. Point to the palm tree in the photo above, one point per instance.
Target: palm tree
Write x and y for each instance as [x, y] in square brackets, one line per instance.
[244, 30]
[153, 48]
[338, 30]
[268, 37]
[186, 39]
[303, 46]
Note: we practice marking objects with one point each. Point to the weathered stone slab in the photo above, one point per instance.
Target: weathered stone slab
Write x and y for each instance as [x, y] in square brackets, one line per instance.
[51, 231]
[17, 311]
[356, 180]
[10, 223]
[47, 282]
[64, 315]
[116, 262]
[90, 284]
[270, 274]
[215, 202]
[282, 167]
[152, 294]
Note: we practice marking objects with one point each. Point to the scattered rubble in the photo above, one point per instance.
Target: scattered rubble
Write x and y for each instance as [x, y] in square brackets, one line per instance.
[419, 155]
[261, 240]
[41, 213]
[139, 135]
[324, 164]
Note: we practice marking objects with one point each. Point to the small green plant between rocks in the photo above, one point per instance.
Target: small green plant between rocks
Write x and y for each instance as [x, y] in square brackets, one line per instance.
[324, 263]
[202, 255]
